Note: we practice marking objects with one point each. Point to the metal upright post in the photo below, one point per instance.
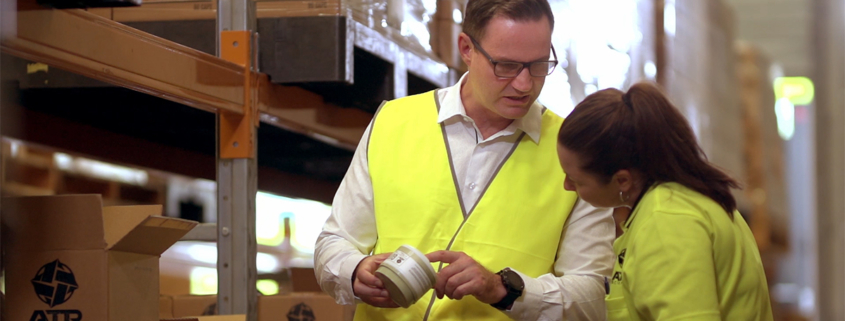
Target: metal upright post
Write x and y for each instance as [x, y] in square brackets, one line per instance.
[237, 169]
[235, 15]
[400, 74]
[236, 272]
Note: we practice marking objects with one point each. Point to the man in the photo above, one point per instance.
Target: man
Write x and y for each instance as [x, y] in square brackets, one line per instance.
[469, 174]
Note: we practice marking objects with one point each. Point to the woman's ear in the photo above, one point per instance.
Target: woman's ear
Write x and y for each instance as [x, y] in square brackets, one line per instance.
[624, 180]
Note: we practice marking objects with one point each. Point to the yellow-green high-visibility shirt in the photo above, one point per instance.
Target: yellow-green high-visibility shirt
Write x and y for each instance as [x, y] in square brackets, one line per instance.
[517, 221]
[681, 257]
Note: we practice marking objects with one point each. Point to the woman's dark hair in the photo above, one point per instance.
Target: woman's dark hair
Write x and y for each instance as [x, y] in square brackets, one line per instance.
[641, 130]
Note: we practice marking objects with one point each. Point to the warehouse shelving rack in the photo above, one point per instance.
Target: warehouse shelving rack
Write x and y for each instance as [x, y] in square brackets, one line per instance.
[228, 85]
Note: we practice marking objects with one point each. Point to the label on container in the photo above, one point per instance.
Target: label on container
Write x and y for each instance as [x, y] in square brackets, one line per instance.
[410, 270]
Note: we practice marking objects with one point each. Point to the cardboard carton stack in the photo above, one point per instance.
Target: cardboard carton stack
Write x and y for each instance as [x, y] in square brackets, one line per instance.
[445, 28]
[302, 306]
[193, 305]
[307, 302]
[294, 306]
[70, 258]
[233, 317]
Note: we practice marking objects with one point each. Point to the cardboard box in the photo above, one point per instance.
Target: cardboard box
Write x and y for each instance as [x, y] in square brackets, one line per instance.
[304, 280]
[194, 305]
[291, 8]
[446, 10]
[303, 306]
[84, 261]
[233, 317]
[169, 11]
[175, 276]
[444, 43]
[102, 12]
[165, 307]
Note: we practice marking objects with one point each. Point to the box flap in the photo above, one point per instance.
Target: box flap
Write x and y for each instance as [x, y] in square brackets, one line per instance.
[151, 235]
[193, 305]
[165, 307]
[133, 286]
[120, 220]
[72, 222]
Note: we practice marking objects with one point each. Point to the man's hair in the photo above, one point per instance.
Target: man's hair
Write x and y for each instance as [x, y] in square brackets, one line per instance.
[479, 13]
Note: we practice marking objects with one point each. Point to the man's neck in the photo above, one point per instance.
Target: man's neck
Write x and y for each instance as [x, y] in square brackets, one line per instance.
[488, 122]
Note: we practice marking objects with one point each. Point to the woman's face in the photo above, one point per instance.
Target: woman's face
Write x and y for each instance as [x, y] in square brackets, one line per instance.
[589, 187]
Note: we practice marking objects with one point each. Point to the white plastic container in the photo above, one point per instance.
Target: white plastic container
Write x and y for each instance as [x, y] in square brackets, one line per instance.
[407, 275]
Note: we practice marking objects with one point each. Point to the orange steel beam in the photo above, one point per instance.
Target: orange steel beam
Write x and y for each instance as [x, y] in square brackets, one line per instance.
[95, 47]
[297, 110]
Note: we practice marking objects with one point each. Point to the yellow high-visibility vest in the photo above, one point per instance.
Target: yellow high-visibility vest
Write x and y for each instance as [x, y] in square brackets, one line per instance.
[517, 222]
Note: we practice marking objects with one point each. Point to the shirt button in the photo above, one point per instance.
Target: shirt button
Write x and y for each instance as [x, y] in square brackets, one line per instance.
[472, 186]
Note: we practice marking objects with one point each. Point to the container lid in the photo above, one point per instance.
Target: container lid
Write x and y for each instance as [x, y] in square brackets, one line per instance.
[399, 290]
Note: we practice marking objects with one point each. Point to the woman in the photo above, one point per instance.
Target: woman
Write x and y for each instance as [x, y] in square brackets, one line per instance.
[685, 253]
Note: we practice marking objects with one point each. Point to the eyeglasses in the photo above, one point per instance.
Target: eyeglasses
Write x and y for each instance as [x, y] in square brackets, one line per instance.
[511, 69]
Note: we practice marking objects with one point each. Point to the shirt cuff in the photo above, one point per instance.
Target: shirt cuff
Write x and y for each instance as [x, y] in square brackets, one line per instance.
[527, 306]
[347, 268]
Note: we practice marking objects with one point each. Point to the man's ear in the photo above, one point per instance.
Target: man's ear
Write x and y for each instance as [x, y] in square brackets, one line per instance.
[465, 47]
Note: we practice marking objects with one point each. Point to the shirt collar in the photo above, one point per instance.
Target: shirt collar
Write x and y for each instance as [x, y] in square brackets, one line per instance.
[451, 105]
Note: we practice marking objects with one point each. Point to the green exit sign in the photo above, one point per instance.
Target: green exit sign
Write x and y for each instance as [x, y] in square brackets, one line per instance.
[799, 90]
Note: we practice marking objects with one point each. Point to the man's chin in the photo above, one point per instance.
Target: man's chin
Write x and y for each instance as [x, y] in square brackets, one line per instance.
[515, 112]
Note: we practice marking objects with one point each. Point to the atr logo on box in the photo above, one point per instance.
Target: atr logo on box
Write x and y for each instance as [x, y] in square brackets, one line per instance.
[54, 284]
[301, 312]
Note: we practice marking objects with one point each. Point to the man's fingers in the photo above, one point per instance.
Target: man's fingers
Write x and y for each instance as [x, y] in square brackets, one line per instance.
[369, 279]
[464, 290]
[381, 302]
[446, 274]
[368, 267]
[444, 256]
[363, 291]
[442, 278]
[456, 281]
[379, 258]
[368, 287]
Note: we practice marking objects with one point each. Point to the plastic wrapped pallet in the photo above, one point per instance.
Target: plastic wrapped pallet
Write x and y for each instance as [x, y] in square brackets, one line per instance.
[765, 184]
[404, 21]
[702, 83]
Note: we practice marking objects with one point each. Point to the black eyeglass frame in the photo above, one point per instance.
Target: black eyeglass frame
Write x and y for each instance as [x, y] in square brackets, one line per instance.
[523, 64]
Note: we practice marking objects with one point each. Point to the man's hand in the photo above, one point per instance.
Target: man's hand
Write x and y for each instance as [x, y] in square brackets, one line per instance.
[464, 276]
[367, 286]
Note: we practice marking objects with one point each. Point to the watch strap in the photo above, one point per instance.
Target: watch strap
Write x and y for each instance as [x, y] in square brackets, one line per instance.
[512, 293]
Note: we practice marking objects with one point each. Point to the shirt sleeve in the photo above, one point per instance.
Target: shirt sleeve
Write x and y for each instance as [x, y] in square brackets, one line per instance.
[576, 289]
[349, 234]
[671, 272]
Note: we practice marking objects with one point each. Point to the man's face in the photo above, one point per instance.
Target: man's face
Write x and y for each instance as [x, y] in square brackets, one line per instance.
[513, 41]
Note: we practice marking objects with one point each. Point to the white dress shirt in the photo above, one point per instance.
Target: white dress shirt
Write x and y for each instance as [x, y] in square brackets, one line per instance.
[576, 289]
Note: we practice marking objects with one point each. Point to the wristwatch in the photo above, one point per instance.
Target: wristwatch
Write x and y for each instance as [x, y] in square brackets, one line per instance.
[513, 284]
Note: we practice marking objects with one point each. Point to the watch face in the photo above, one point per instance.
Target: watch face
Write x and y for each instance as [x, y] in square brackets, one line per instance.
[514, 280]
